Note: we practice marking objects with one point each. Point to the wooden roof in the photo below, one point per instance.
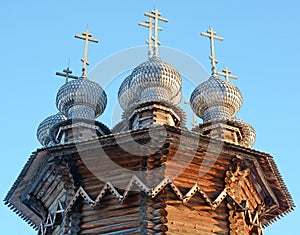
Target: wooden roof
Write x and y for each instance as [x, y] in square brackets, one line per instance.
[264, 169]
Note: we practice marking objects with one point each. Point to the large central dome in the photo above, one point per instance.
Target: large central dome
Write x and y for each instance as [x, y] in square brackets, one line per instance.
[153, 80]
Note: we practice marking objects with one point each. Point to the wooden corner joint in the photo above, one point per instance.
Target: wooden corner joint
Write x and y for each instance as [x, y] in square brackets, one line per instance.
[243, 219]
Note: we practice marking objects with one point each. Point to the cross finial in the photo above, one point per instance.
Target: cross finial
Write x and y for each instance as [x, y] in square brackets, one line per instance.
[67, 74]
[227, 74]
[212, 35]
[156, 15]
[86, 36]
[149, 24]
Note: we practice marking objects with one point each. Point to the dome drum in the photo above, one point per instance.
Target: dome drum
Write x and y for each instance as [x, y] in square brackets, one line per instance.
[231, 130]
[151, 113]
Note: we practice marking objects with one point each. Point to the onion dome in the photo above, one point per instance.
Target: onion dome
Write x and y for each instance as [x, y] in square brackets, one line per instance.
[216, 99]
[247, 131]
[153, 80]
[125, 94]
[43, 131]
[81, 99]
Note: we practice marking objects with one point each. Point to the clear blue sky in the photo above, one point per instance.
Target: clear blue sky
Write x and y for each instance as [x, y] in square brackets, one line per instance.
[261, 47]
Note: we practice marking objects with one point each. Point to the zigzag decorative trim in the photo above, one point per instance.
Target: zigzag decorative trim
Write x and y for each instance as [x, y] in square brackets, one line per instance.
[151, 192]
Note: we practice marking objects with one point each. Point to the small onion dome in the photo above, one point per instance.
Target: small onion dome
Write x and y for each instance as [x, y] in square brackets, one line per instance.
[43, 131]
[216, 99]
[81, 98]
[126, 95]
[247, 131]
[151, 80]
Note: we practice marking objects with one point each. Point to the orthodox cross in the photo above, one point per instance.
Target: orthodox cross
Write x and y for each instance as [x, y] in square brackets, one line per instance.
[86, 36]
[212, 35]
[227, 74]
[194, 123]
[67, 74]
[149, 24]
[156, 15]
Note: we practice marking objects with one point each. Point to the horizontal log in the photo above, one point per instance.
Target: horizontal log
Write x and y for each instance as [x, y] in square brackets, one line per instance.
[110, 221]
[120, 227]
[101, 215]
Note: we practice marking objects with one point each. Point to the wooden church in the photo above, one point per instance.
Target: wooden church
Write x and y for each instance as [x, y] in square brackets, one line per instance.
[149, 174]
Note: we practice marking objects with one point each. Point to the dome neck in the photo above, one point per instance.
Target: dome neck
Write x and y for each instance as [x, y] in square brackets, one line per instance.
[222, 130]
[81, 111]
[216, 113]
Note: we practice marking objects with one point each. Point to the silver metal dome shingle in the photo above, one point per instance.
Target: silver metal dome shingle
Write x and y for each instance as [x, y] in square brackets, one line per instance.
[125, 95]
[247, 131]
[154, 79]
[81, 98]
[216, 99]
[43, 131]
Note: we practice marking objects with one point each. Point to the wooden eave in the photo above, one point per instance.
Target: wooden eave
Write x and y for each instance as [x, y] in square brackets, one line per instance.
[13, 197]
[268, 171]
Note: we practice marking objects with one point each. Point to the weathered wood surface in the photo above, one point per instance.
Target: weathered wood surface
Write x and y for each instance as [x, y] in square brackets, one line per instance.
[167, 211]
